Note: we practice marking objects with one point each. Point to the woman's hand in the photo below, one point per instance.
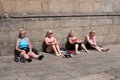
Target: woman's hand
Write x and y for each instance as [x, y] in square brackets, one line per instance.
[79, 41]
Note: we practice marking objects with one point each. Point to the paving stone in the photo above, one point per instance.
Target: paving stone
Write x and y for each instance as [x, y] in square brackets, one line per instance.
[86, 66]
[100, 76]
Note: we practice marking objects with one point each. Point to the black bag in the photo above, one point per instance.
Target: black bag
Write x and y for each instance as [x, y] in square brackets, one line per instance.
[35, 51]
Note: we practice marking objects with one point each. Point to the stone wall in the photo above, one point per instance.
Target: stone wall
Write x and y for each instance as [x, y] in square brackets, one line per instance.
[58, 7]
[61, 16]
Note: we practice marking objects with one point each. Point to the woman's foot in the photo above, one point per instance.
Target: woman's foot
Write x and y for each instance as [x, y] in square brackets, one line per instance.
[106, 50]
[29, 60]
[60, 54]
[40, 57]
[22, 59]
[87, 51]
[57, 55]
[77, 52]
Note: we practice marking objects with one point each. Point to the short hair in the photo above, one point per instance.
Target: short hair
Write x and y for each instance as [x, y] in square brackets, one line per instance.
[49, 32]
[93, 31]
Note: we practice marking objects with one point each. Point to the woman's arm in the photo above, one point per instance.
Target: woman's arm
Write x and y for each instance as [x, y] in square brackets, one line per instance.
[70, 41]
[16, 45]
[29, 45]
[88, 40]
[47, 43]
[54, 40]
[95, 41]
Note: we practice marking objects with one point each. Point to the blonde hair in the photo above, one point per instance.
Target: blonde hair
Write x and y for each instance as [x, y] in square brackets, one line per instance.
[48, 32]
[21, 31]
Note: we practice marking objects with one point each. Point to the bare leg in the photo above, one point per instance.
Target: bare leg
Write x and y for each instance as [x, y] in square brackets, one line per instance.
[23, 53]
[58, 49]
[76, 48]
[83, 46]
[96, 47]
[104, 49]
[32, 54]
[56, 52]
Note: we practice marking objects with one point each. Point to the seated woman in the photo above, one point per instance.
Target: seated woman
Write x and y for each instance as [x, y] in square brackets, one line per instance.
[52, 44]
[23, 47]
[75, 44]
[90, 42]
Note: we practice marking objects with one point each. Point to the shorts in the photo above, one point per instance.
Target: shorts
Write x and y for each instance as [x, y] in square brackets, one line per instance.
[17, 53]
[72, 47]
[88, 46]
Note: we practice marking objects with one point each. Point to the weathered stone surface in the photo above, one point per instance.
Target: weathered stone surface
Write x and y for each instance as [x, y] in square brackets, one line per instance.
[58, 7]
[110, 39]
[116, 6]
[91, 66]
[34, 6]
[62, 16]
[21, 7]
[104, 7]
[7, 6]
[117, 20]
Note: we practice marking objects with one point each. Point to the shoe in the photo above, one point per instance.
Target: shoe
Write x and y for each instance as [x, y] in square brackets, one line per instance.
[69, 56]
[40, 57]
[16, 59]
[29, 60]
[22, 59]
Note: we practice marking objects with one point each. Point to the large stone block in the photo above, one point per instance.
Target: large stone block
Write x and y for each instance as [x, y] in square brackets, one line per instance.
[99, 40]
[118, 38]
[114, 0]
[13, 36]
[36, 35]
[7, 6]
[103, 7]
[21, 6]
[4, 26]
[15, 25]
[86, 30]
[116, 20]
[113, 30]
[34, 6]
[45, 6]
[42, 24]
[109, 39]
[116, 7]
[4, 37]
[101, 21]
[6, 49]
[55, 6]
[75, 22]
[102, 30]
[1, 8]
[86, 7]
[117, 29]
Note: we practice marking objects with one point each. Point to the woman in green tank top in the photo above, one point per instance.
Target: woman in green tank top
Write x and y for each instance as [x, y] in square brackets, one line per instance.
[24, 48]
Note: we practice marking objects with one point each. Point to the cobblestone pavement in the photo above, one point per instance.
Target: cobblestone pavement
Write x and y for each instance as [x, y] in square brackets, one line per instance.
[86, 66]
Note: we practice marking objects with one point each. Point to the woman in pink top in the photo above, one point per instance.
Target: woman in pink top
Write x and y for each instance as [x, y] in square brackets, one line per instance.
[52, 44]
[75, 44]
[90, 42]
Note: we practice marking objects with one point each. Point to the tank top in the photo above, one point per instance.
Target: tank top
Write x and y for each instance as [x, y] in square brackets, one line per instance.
[23, 44]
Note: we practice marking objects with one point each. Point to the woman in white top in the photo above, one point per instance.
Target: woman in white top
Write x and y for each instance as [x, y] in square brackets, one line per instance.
[90, 42]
